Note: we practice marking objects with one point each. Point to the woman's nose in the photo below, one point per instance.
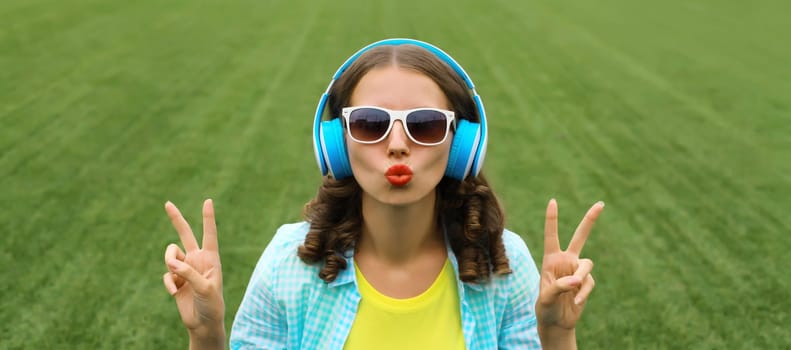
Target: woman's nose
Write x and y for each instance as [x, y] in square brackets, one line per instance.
[398, 141]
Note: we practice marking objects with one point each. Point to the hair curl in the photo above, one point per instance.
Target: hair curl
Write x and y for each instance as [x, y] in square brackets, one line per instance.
[469, 211]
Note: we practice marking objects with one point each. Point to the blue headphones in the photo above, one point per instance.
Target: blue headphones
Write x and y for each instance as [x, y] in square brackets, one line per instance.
[468, 147]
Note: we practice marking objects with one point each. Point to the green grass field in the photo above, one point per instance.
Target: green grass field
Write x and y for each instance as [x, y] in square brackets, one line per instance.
[675, 113]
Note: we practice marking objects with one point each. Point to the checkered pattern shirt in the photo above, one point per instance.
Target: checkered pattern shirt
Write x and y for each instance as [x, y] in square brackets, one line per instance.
[287, 306]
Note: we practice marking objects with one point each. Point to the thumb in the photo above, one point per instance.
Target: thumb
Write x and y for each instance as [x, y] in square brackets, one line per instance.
[560, 286]
[199, 283]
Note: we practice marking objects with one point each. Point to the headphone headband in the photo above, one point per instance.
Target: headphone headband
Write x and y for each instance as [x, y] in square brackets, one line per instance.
[479, 149]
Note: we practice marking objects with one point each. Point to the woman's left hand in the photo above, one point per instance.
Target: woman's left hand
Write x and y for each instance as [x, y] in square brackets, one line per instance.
[566, 280]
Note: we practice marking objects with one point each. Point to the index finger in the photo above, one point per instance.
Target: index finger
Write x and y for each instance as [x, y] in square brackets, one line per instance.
[551, 243]
[182, 227]
[584, 228]
[209, 226]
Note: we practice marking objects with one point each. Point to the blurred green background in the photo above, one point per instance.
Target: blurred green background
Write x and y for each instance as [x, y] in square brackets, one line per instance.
[675, 113]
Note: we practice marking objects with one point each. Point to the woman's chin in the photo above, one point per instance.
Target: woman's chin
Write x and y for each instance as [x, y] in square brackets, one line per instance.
[400, 196]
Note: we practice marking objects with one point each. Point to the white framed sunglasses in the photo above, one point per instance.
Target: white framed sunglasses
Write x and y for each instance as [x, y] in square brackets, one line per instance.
[424, 126]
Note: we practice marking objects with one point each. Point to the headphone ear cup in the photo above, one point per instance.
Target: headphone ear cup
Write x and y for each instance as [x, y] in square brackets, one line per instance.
[334, 149]
[462, 149]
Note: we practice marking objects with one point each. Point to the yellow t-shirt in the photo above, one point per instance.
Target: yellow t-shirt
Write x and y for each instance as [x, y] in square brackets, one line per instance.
[431, 320]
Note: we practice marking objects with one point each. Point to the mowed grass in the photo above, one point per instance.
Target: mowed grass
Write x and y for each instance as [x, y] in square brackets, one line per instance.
[675, 114]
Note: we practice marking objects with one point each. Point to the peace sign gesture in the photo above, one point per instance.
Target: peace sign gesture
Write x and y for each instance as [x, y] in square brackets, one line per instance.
[565, 278]
[194, 278]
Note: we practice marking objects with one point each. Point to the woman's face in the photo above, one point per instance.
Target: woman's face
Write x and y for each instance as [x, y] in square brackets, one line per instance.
[397, 88]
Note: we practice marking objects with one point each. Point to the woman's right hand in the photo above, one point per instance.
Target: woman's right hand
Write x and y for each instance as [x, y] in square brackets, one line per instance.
[194, 279]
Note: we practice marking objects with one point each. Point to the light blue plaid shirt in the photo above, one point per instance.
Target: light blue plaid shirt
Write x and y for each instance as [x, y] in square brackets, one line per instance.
[287, 305]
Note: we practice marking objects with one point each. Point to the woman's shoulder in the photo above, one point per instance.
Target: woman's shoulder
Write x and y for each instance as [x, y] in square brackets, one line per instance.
[515, 247]
[287, 235]
[523, 266]
[520, 284]
[280, 260]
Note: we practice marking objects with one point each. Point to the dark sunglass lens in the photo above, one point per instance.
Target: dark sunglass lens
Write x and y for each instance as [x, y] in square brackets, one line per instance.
[368, 124]
[427, 126]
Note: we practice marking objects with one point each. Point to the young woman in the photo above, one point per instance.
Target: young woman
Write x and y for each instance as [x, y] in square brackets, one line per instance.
[404, 245]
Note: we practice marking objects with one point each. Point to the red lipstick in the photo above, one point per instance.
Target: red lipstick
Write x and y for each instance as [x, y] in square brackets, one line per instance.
[399, 174]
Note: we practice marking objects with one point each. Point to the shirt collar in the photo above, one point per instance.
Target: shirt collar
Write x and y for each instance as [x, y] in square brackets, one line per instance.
[347, 275]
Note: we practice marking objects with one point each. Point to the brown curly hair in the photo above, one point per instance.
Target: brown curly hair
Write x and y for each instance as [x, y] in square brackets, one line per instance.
[468, 210]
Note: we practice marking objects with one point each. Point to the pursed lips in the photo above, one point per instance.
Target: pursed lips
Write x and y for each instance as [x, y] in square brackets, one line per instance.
[399, 174]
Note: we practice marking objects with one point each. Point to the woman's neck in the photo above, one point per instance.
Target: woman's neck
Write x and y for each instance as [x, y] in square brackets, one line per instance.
[397, 234]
